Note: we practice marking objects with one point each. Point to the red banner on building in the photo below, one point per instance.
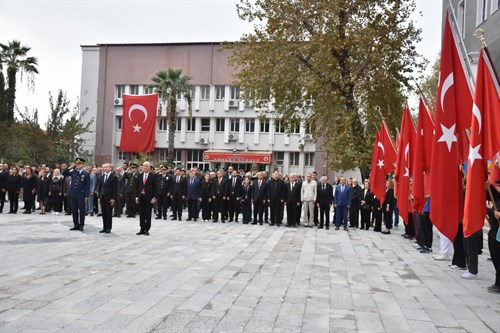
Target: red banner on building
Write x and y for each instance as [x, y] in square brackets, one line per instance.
[237, 157]
[139, 123]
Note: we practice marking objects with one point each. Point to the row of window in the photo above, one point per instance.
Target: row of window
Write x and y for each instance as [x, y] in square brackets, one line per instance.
[195, 156]
[220, 125]
[220, 91]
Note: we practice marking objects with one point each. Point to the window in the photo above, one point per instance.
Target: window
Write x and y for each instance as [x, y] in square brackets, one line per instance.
[205, 92]
[220, 124]
[249, 125]
[278, 127]
[220, 92]
[264, 126]
[279, 158]
[195, 155]
[134, 90]
[122, 156]
[294, 159]
[235, 125]
[205, 124]
[162, 124]
[309, 159]
[235, 92]
[295, 128]
[148, 90]
[178, 125]
[119, 122]
[120, 90]
[482, 11]
[191, 124]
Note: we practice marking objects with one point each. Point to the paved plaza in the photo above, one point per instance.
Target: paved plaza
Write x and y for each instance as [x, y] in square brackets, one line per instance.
[213, 277]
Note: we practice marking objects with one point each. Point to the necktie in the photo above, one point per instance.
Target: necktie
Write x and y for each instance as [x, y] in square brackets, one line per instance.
[145, 179]
[220, 180]
[342, 188]
[234, 182]
[177, 181]
[106, 178]
[260, 183]
[192, 181]
[323, 187]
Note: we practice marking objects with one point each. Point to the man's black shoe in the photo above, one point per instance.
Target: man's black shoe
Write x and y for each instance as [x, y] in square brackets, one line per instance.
[140, 232]
[253, 223]
[75, 228]
[320, 227]
[327, 228]
[81, 228]
[271, 224]
[146, 233]
[102, 231]
[336, 228]
[346, 229]
[189, 219]
[108, 231]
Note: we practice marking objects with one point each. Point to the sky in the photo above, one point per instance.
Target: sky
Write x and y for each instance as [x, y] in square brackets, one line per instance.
[56, 29]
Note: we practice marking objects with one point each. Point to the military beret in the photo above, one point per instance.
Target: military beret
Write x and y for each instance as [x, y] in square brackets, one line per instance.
[133, 165]
[79, 160]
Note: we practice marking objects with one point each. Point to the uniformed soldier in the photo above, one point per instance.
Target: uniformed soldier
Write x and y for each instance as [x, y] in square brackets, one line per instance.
[79, 193]
[130, 178]
[161, 193]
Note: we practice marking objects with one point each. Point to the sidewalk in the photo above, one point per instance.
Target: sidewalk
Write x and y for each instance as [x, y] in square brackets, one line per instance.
[213, 277]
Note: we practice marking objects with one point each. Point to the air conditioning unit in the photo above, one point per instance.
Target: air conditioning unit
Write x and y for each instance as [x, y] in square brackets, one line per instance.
[203, 141]
[232, 137]
[118, 101]
[308, 137]
[233, 103]
[248, 104]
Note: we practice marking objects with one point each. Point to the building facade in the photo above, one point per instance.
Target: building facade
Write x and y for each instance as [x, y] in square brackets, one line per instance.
[223, 130]
[471, 15]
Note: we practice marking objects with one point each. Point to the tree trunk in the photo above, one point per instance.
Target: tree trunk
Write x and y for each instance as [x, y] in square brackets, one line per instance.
[171, 131]
[11, 95]
[365, 173]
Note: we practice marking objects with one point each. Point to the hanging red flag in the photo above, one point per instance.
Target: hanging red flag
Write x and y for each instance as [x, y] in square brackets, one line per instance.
[390, 152]
[453, 113]
[484, 143]
[406, 152]
[377, 171]
[422, 158]
[139, 123]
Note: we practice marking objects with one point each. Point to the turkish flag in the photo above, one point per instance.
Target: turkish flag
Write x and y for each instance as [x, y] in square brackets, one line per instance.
[406, 151]
[390, 154]
[377, 171]
[453, 113]
[139, 123]
[422, 159]
[484, 143]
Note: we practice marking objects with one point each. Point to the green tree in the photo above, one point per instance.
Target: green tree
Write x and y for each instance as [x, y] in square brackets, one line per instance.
[350, 58]
[3, 97]
[168, 84]
[16, 60]
[64, 128]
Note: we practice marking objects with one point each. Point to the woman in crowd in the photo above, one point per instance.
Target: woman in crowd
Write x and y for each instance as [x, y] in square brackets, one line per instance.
[246, 200]
[13, 187]
[29, 185]
[206, 197]
[43, 190]
[56, 191]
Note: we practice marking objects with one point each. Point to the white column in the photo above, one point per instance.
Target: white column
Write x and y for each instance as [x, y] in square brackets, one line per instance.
[197, 93]
[183, 129]
[212, 130]
[241, 134]
[227, 96]
[226, 130]
[257, 131]
[271, 131]
[183, 102]
[212, 98]
[242, 106]
[197, 131]
[286, 139]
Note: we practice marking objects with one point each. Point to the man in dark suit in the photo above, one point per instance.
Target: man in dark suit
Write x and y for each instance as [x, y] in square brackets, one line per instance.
[324, 201]
[366, 205]
[221, 195]
[107, 191]
[79, 193]
[356, 194]
[292, 200]
[342, 203]
[276, 198]
[130, 181]
[193, 196]
[388, 207]
[258, 198]
[178, 191]
[4, 176]
[235, 191]
[145, 197]
[161, 193]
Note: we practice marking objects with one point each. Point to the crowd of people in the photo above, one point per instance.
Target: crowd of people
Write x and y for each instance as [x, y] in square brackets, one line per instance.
[231, 195]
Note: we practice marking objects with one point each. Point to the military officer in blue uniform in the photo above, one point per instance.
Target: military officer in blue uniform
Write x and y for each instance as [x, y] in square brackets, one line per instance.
[79, 193]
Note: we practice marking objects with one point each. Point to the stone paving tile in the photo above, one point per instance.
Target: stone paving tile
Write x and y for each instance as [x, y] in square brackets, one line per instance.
[204, 277]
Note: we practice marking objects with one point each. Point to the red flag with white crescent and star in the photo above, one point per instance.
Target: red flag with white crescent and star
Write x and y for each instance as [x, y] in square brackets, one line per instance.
[484, 143]
[422, 159]
[453, 113]
[139, 123]
[377, 171]
[404, 170]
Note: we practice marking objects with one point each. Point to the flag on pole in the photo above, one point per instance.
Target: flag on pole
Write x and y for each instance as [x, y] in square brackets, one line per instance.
[484, 143]
[377, 171]
[406, 152]
[139, 123]
[422, 157]
[453, 113]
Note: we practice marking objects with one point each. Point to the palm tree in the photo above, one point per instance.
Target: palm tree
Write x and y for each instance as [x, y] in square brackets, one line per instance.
[14, 57]
[168, 84]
